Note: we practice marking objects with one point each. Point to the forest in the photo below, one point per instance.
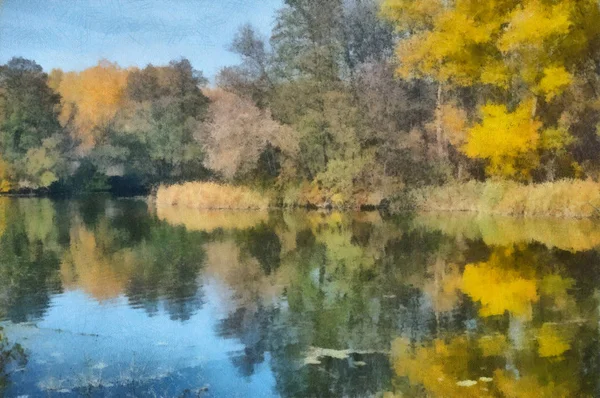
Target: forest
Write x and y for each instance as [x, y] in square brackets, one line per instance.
[347, 103]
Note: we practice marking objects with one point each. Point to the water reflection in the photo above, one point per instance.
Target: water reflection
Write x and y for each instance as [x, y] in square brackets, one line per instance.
[12, 356]
[116, 297]
[566, 234]
[30, 254]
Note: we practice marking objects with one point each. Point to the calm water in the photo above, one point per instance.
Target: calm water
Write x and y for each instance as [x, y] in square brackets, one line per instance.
[107, 297]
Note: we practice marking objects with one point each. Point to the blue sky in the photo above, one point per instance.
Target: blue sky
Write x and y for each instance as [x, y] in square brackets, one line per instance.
[75, 34]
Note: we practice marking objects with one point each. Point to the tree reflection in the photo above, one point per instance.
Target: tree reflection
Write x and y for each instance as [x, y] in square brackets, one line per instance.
[389, 305]
[466, 319]
[11, 356]
[503, 283]
[107, 249]
[167, 267]
[326, 292]
[524, 341]
[30, 253]
[157, 266]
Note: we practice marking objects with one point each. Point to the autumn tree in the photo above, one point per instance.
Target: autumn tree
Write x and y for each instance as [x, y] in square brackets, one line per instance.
[508, 140]
[151, 138]
[394, 112]
[91, 99]
[321, 56]
[237, 135]
[516, 53]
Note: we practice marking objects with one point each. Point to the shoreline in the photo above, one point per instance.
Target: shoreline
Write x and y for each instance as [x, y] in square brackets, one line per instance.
[565, 199]
[569, 199]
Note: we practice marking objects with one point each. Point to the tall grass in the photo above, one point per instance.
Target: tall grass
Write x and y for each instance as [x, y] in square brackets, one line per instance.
[210, 195]
[565, 198]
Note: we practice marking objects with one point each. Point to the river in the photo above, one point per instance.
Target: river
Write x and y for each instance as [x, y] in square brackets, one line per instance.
[101, 296]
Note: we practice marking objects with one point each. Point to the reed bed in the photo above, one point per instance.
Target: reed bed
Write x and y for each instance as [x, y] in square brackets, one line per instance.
[210, 195]
[564, 198]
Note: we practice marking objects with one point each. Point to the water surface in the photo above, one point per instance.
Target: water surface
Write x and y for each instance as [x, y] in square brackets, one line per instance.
[113, 297]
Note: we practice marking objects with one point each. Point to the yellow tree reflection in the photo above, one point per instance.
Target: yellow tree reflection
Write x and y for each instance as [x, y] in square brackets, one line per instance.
[499, 285]
[530, 356]
[87, 267]
[442, 368]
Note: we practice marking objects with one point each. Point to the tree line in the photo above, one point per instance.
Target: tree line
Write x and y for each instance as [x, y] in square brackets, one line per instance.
[347, 101]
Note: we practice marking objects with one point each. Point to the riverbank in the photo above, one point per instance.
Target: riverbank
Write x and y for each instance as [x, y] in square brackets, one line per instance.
[215, 196]
[564, 199]
[561, 199]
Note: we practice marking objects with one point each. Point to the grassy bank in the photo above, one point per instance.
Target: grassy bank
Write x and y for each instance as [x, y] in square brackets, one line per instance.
[209, 195]
[565, 198]
[213, 196]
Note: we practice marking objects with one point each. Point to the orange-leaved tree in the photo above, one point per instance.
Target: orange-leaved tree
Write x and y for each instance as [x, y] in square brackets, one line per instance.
[90, 99]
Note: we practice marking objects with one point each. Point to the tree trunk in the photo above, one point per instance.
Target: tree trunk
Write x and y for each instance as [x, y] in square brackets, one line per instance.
[551, 170]
[439, 128]
[533, 112]
[460, 171]
[534, 107]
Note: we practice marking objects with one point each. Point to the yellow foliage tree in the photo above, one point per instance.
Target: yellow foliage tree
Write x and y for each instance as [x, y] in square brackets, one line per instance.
[6, 177]
[465, 42]
[90, 98]
[508, 140]
[530, 49]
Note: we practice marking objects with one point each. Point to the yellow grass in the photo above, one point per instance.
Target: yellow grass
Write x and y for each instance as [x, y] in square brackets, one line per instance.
[210, 195]
[565, 198]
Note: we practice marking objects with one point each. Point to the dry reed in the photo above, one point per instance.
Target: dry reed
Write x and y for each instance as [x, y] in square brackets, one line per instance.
[564, 198]
[210, 195]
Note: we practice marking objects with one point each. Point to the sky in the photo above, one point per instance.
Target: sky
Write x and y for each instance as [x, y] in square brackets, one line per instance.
[76, 34]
